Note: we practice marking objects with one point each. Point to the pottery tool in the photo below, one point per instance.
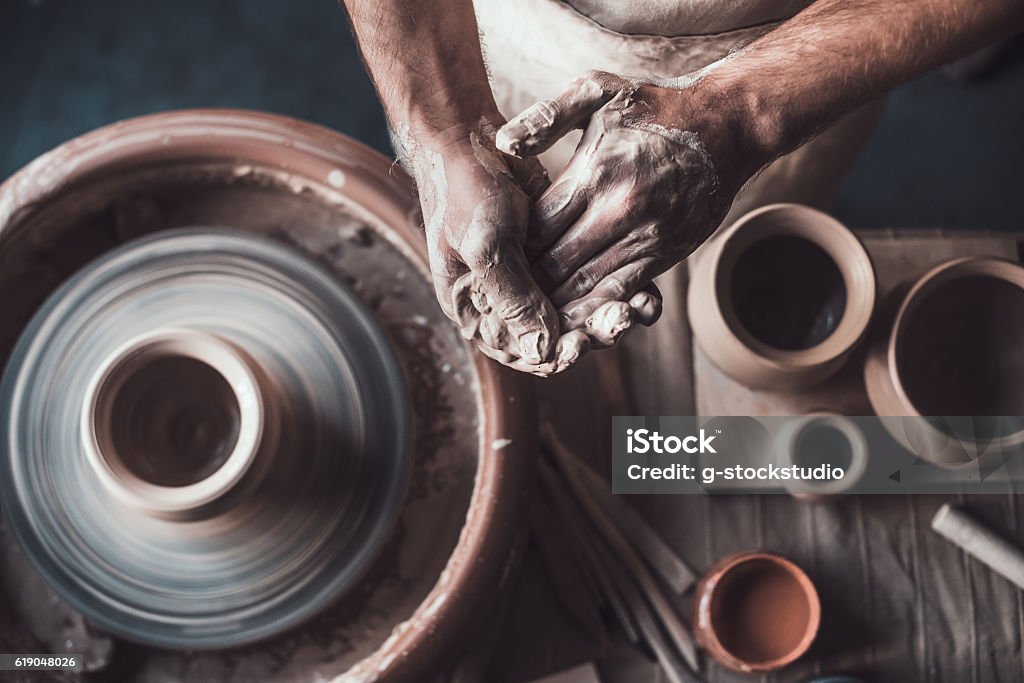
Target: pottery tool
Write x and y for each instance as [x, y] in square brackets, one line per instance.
[672, 570]
[618, 566]
[980, 542]
[206, 439]
[591, 558]
[563, 563]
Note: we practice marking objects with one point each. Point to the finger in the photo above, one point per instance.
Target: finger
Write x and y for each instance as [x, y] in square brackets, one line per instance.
[620, 285]
[554, 213]
[570, 349]
[503, 357]
[608, 323]
[462, 294]
[445, 272]
[647, 305]
[493, 332]
[593, 232]
[514, 296]
[633, 247]
[539, 126]
[531, 176]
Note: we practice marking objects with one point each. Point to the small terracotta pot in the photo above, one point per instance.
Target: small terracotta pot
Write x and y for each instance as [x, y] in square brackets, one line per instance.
[780, 299]
[756, 612]
[803, 441]
[951, 347]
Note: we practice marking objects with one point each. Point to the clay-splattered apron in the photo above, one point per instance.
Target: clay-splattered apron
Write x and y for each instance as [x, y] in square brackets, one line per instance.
[533, 49]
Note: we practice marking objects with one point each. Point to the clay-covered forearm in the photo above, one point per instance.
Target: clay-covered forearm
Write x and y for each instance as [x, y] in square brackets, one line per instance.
[425, 60]
[839, 54]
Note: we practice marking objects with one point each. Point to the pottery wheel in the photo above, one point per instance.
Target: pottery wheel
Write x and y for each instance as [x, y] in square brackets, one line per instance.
[205, 439]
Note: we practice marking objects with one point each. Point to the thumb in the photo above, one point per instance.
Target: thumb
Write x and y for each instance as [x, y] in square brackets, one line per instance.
[541, 125]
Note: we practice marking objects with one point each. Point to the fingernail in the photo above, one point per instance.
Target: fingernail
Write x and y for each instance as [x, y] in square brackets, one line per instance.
[647, 307]
[530, 346]
[507, 142]
[571, 349]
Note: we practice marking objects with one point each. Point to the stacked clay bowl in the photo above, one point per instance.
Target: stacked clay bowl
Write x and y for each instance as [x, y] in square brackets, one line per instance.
[233, 413]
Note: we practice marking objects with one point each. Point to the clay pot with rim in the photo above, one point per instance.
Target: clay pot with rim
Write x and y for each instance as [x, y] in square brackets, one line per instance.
[822, 438]
[129, 170]
[947, 351]
[756, 612]
[780, 298]
[141, 383]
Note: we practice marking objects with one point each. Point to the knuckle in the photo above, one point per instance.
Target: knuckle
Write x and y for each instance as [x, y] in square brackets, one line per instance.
[479, 254]
[516, 310]
[596, 77]
[586, 278]
[615, 287]
[551, 263]
[654, 232]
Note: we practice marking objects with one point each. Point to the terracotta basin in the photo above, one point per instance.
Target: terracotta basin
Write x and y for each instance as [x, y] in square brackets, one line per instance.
[473, 425]
[780, 298]
[944, 369]
[756, 612]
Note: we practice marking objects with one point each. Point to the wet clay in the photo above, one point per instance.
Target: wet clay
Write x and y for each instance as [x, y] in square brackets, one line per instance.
[760, 612]
[176, 420]
[788, 292]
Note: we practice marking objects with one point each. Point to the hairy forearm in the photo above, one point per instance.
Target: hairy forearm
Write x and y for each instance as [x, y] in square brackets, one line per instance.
[839, 54]
[425, 60]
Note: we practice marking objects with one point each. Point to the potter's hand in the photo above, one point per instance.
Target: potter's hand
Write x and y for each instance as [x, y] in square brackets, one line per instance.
[639, 194]
[476, 203]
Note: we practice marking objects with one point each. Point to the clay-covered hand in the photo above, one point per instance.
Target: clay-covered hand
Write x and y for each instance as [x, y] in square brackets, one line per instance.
[638, 196]
[476, 202]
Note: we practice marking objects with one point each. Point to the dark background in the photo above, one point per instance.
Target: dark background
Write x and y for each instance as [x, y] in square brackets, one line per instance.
[946, 155]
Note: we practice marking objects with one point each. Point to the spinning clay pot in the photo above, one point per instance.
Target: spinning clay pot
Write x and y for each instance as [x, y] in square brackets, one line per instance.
[261, 430]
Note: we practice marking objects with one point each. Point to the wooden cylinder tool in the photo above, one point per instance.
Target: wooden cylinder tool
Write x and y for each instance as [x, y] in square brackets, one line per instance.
[980, 542]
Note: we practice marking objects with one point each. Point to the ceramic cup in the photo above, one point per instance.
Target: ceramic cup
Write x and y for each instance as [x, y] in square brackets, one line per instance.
[822, 438]
[950, 346]
[780, 298]
[756, 612]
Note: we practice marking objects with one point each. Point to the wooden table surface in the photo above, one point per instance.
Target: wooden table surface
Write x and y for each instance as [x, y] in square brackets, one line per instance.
[899, 603]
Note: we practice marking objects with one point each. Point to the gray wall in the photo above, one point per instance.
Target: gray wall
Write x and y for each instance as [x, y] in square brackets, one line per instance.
[946, 155]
